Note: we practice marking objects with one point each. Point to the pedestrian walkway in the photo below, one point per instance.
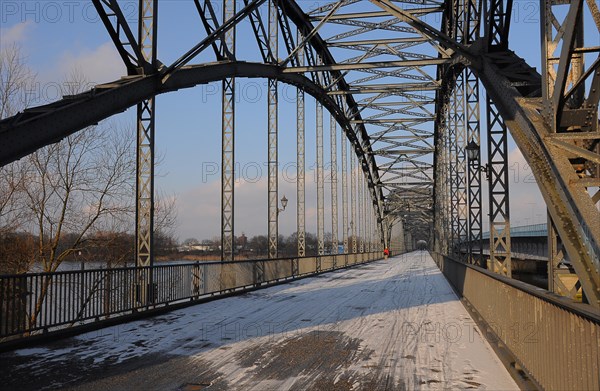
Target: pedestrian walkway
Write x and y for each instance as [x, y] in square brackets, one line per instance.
[389, 325]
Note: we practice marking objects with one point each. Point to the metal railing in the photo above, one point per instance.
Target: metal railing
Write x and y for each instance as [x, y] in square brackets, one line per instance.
[36, 303]
[554, 339]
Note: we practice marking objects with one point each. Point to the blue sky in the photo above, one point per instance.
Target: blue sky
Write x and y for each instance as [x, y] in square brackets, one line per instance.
[57, 36]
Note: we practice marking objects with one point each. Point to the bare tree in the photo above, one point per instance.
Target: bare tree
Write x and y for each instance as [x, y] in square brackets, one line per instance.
[16, 79]
[12, 178]
[73, 187]
[165, 222]
[66, 193]
[77, 184]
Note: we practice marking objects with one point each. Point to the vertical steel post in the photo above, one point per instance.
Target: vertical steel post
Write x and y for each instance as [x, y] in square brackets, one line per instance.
[334, 185]
[442, 194]
[374, 229]
[497, 29]
[320, 184]
[369, 210]
[555, 255]
[562, 279]
[273, 135]
[361, 209]
[228, 144]
[500, 257]
[145, 142]
[461, 165]
[475, 240]
[144, 211]
[472, 118]
[453, 172]
[300, 160]
[366, 214]
[448, 166]
[353, 201]
[344, 143]
[440, 177]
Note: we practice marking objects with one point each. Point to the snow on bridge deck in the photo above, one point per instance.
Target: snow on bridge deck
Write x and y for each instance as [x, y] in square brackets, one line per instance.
[388, 325]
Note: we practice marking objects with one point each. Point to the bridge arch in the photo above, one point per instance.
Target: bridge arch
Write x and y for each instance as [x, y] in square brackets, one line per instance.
[515, 90]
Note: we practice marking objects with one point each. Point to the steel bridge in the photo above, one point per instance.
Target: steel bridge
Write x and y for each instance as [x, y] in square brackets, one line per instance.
[415, 91]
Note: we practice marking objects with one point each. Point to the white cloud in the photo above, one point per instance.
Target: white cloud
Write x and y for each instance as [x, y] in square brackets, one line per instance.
[199, 210]
[99, 65]
[16, 34]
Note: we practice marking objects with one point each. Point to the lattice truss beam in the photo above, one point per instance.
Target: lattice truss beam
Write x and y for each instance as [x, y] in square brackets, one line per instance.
[569, 106]
[390, 69]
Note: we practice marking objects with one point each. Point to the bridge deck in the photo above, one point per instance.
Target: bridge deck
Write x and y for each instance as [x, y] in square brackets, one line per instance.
[392, 324]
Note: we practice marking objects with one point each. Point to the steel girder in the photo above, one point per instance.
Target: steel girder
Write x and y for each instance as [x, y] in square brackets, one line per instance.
[48, 124]
[475, 238]
[300, 162]
[224, 49]
[570, 95]
[395, 114]
[146, 115]
[106, 100]
[499, 210]
[345, 193]
[334, 186]
[353, 194]
[576, 203]
[338, 82]
[320, 184]
[571, 207]
[567, 187]
[272, 136]
[131, 50]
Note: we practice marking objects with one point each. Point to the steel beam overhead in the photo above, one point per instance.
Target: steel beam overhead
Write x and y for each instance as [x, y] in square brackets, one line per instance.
[130, 49]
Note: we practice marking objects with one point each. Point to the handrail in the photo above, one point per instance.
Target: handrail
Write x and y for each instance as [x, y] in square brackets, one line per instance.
[189, 263]
[580, 309]
[553, 340]
[35, 303]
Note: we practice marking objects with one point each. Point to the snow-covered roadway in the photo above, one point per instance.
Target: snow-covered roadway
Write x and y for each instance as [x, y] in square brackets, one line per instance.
[388, 325]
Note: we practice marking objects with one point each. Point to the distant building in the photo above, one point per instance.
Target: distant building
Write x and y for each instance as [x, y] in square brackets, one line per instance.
[241, 242]
[196, 247]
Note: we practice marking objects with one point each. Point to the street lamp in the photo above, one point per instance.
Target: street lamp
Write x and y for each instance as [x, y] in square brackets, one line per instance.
[473, 155]
[472, 151]
[284, 202]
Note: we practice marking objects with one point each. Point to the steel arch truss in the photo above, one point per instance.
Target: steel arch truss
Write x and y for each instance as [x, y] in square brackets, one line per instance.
[402, 81]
